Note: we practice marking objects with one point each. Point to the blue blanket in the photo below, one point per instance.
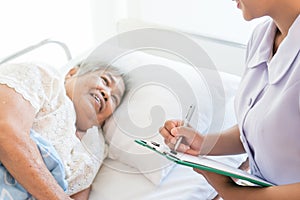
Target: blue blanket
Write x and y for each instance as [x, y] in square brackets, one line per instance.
[10, 189]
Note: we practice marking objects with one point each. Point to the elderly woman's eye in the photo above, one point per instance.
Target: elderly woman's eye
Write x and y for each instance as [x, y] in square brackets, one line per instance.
[104, 80]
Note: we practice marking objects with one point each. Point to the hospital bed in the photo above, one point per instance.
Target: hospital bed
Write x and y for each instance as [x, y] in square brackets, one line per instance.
[161, 87]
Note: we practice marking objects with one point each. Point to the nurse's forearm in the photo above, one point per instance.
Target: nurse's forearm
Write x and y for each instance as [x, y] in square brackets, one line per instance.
[224, 143]
[283, 192]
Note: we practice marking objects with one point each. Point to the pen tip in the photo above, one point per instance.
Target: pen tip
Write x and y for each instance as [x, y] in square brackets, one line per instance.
[173, 152]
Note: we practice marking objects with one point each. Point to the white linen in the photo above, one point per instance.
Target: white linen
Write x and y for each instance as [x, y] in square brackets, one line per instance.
[116, 180]
[182, 184]
[162, 89]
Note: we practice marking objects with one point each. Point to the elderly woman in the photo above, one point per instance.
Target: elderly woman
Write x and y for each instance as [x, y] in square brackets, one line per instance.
[59, 109]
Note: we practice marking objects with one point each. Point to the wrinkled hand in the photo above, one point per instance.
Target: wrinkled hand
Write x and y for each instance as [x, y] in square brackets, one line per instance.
[191, 142]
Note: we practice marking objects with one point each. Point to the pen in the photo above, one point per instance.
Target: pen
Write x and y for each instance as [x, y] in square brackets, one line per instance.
[185, 123]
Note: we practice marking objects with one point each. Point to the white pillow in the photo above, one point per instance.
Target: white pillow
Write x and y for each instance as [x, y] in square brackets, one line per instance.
[162, 89]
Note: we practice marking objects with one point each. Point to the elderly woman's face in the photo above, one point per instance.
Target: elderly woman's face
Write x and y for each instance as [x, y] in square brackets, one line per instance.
[95, 96]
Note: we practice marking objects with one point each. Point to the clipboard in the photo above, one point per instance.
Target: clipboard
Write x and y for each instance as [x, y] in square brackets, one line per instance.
[205, 163]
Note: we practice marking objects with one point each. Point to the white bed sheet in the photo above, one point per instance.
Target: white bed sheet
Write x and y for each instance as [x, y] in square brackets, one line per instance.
[117, 181]
[182, 183]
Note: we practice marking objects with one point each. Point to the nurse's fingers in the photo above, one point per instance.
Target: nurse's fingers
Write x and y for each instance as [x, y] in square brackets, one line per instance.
[170, 124]
[165, 131]
[187, 132]
[183, 148]
[166, 135]
[170, 144]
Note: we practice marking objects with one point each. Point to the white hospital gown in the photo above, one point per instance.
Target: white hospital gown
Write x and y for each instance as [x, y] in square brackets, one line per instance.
[55, 119]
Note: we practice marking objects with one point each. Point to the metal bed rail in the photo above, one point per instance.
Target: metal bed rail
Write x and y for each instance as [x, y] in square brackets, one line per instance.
[37, 45]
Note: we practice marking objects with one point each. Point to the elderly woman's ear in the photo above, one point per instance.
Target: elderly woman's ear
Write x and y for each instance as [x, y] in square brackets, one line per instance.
[71, 72]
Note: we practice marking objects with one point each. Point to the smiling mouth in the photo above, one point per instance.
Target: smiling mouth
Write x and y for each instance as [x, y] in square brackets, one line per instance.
[98, 100]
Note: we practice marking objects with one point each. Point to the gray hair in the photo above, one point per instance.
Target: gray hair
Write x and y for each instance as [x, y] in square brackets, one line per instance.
[88, 67]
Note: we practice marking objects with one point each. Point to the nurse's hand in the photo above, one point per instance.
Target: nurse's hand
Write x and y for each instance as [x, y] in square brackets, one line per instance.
[220, 182]
[191, 142]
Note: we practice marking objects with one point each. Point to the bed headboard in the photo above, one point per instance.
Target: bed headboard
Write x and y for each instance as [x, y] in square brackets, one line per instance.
[227, 56]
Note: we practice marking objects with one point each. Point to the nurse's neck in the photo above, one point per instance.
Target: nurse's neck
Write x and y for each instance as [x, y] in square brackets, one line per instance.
[283, 23]
[277, 40]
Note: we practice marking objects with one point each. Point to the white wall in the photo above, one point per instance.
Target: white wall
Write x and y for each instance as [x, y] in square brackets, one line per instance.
[82, 24]
[27, 22]
[105, 15]
[215, 18]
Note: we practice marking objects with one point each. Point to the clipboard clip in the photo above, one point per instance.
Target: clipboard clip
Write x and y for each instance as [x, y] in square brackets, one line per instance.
[159, 148]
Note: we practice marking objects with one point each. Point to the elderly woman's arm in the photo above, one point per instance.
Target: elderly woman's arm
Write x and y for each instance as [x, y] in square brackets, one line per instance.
[82, 195]
[18, 153]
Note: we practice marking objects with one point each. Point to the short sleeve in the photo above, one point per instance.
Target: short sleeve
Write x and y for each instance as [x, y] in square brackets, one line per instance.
[32, 81]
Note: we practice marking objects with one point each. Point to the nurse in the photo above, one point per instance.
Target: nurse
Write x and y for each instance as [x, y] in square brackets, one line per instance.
[267, 108]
